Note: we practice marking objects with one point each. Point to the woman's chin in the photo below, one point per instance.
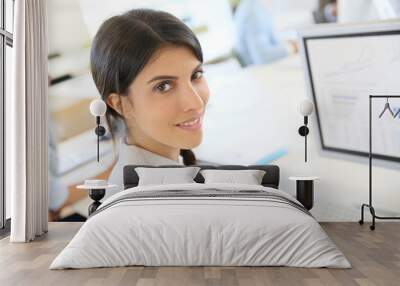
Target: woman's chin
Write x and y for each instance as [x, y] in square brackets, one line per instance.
[192, 141]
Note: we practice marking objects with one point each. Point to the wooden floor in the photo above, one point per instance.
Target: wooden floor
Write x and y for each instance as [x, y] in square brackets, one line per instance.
[374, 255]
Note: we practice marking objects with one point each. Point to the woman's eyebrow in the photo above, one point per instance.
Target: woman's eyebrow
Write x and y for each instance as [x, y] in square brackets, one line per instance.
[170, 76]
[198, 66]
[162, 77]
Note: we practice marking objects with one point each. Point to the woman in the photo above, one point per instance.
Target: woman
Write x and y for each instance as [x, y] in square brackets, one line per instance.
[147, 66]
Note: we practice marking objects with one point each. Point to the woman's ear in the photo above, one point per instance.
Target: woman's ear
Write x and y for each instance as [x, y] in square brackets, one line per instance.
[114, 101]
[121, 104]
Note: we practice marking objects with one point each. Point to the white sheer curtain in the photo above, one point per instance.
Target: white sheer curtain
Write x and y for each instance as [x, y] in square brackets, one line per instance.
[26, 119]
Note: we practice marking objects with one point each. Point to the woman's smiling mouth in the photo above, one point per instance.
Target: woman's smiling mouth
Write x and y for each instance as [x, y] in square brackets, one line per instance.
[192, 124]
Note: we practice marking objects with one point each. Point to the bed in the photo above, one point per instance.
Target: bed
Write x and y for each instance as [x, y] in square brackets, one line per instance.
[201, 224]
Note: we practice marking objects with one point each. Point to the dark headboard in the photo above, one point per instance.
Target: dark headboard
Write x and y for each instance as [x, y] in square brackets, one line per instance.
[270, 179]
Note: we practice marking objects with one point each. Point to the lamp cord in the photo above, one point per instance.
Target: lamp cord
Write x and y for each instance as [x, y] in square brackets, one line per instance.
[98, 143]
[305, 149]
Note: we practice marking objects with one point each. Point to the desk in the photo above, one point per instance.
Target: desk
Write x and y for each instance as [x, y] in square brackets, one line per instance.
[246, 120]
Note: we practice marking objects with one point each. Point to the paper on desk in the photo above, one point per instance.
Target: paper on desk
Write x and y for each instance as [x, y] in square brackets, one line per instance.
[79, 150]
[244, 122]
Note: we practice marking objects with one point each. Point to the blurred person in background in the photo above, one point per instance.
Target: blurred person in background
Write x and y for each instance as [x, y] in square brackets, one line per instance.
[257, 41]
[326, 12]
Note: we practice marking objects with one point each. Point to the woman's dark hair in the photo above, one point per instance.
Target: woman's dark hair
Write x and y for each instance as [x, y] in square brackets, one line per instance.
[125, 43]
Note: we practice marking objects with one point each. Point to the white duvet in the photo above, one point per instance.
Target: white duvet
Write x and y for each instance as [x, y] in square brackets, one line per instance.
[200, 231]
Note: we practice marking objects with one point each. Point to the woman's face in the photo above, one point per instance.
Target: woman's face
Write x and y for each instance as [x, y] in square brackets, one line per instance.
[167, 99]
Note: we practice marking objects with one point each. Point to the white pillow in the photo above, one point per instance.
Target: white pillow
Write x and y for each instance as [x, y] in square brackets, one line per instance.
[249, 177]
[162, 176]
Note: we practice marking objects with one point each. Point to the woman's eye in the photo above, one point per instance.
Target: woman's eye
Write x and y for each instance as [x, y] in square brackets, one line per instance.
[197, 74]
[163, 87]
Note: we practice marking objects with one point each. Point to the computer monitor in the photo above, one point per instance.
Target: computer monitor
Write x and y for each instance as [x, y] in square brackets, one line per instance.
[344, 64]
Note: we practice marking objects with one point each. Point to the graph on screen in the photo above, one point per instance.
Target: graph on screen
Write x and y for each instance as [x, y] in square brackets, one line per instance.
[343, 70]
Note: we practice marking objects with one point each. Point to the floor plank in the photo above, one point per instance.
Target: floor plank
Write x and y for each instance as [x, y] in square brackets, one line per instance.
[374, 255]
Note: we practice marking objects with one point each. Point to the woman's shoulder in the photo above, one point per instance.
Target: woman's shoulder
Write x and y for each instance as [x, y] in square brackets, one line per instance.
[116, 177]
[135, 155]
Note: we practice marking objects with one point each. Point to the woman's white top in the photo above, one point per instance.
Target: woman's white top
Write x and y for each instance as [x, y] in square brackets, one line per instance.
[134, 155]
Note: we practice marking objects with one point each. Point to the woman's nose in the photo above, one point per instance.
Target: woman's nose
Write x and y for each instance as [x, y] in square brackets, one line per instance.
[191, 99]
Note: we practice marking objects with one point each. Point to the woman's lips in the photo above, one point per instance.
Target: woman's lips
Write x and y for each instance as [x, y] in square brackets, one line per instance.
[194, 124]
